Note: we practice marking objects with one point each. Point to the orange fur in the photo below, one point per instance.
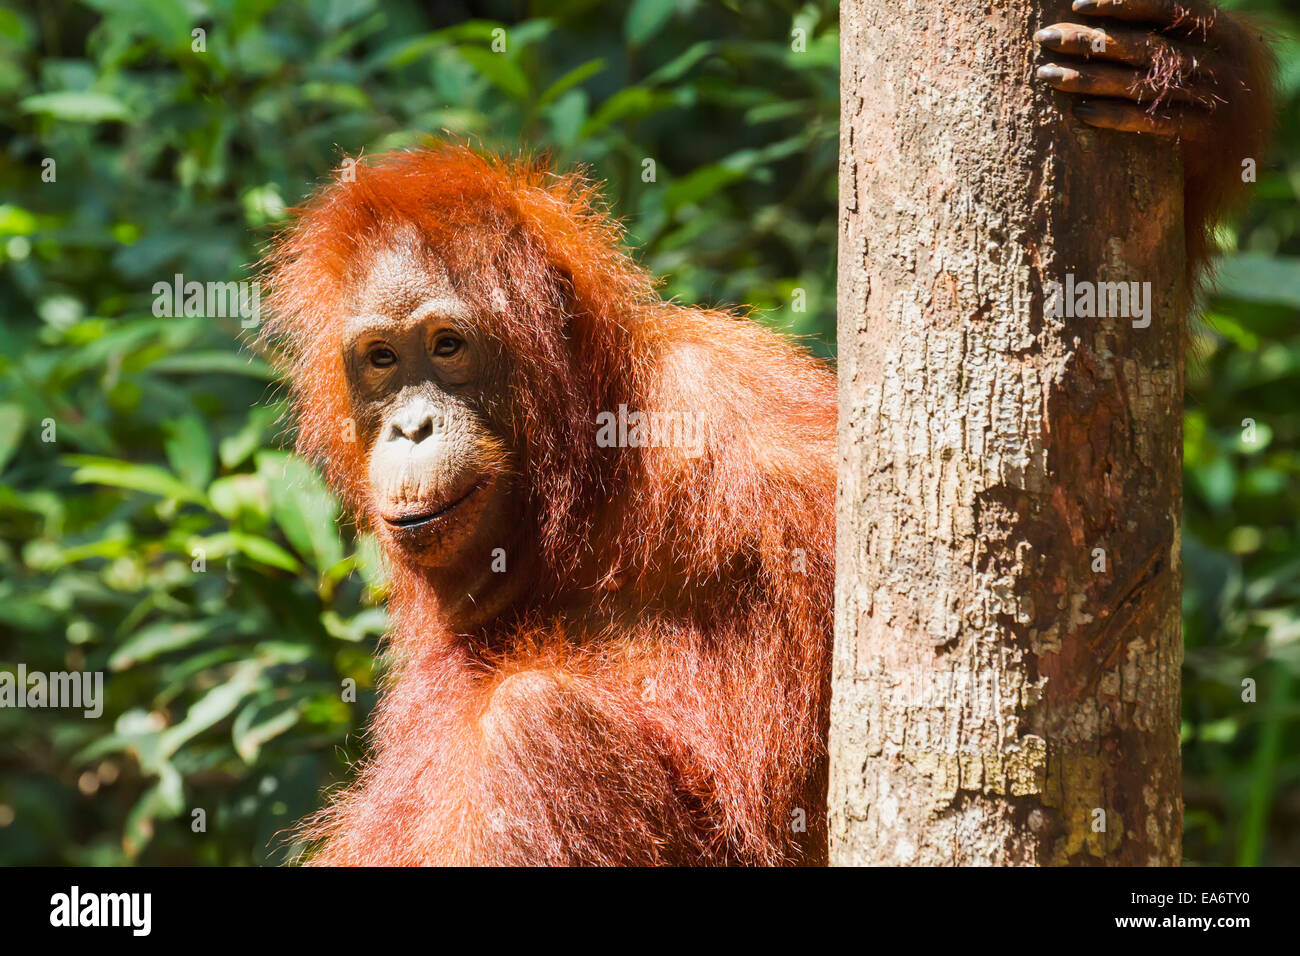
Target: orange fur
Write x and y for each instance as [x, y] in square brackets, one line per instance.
[660, 696]
[1241, 106]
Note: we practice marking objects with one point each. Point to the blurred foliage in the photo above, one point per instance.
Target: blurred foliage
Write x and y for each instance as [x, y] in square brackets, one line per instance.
[1241, 525]
[167, 537]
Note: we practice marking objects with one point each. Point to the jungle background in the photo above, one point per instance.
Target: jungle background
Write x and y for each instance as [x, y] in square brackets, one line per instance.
[223, 685]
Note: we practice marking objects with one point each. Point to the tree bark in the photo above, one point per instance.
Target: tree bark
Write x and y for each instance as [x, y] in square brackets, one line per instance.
[1004, 692]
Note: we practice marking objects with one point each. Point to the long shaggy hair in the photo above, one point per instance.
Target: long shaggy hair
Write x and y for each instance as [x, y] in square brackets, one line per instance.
[662, 694]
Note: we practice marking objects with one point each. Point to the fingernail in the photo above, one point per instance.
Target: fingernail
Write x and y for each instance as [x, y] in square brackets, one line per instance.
[1051, 72]
[1084, 6]
[1048, 36]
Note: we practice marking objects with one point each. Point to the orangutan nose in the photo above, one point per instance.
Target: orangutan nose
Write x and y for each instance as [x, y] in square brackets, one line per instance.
[415, 422]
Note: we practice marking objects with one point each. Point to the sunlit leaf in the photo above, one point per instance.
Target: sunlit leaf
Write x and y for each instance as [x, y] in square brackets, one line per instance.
[149, 479]
[161, 638]
[303, 507]
[76, 107]
[250, 734]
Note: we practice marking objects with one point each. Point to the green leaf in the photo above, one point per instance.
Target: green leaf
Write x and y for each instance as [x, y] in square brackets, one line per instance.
[646, 18]
[16, 221]
[11, 431]
[708, 180]
[571, 79]
[635, 101]
[675, 68]
[12, 27]
[207, 363]
[343, 95]
[699, 184]
[249, 736]
[77, 107]
[213, 707]
[149, 479]
[1232, 329]
[234, 494]
[503, 73]
[370, 562]
[1254, 277]
[1217, 481]
[409, 50]
[161, 638]
[189, 449]
[567, 116]
[303, 507]
[259, 549]
[265, 551]
[165, 799]
[371, 621]
[233, 449]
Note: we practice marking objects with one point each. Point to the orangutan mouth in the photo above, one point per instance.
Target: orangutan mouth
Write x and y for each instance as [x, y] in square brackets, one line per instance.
[420, 519]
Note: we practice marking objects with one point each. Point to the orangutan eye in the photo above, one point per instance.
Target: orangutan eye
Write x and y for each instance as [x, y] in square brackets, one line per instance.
[446, 346]
[382, 357]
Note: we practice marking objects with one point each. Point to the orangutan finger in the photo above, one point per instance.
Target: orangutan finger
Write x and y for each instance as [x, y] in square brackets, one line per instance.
[1180, 123]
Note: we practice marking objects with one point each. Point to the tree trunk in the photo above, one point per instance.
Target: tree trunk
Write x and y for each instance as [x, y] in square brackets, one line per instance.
[1008, 632]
